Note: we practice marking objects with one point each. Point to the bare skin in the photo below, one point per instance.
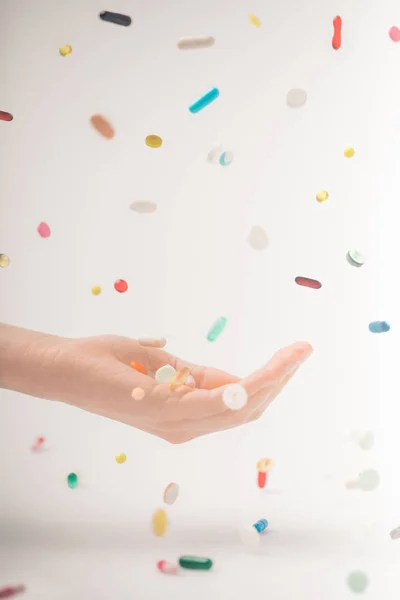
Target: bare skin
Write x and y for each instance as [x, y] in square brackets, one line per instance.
[94, 374]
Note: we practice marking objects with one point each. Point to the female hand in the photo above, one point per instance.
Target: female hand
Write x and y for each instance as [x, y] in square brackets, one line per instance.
[94, 374]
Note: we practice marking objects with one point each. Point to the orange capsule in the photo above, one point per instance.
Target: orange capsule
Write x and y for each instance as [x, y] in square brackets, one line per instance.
[134, 364]
[179, 378]
[101, 125]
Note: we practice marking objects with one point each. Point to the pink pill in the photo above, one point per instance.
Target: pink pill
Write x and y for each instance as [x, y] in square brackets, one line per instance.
[167, 567]
[43, 230]
[138, 394]
[394, 34]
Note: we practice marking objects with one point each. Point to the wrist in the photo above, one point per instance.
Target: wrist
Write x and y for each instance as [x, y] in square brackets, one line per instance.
[25, 357]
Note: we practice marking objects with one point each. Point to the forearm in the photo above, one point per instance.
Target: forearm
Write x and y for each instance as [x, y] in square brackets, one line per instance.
[25, 359]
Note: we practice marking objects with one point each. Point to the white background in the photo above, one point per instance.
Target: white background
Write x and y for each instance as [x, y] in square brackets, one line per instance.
[188, 264]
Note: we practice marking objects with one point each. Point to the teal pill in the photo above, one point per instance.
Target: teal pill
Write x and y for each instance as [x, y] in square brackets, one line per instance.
[72, 481]
[195, 562]
[379, 327]
[204, 100]
[261, 525]
[216, 329]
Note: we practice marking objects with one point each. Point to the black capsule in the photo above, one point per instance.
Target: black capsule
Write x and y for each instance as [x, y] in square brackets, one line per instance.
[116, 18]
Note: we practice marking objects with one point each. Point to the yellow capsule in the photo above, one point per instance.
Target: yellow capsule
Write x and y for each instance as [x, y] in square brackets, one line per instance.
[255, 20]
[179, 378]
[4, 261]
[65, 50]
[349, 152]
[160, 522]
[322, 196]
[96, 290]
[120, 458]
[153, 141]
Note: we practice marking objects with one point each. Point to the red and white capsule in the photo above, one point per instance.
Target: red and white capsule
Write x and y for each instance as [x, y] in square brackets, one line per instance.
[167, 567]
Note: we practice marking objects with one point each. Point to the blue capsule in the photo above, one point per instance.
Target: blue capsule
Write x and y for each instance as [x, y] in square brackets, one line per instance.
[204, 100]
[261, 525]
[379, 327]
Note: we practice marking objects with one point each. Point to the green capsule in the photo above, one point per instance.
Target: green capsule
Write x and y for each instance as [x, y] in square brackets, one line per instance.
[195, 562]
[72, 481]
[216, 329]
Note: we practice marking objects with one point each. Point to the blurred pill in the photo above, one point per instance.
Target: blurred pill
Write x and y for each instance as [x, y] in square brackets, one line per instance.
[195, 42]
[355, 258]
[160, 522]
[171, 493]
[235, 396]
[102, 126]
[4, 261]
[143, 206]
[65, 50]
[153, 342]
[116, 18]
[379, 327]
[257, 238]
[96, 290]
[226, 159]
[296, 98]
[310, 283]
[138, 394]
[153, 141]
[164, 374]
[5, 116]
[395, 533]
[322, 196]
[254, 20]
[120, 458]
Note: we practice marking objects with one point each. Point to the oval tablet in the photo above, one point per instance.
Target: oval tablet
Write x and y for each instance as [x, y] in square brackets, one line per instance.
[153, 141]
[143, 207]
[171, 493]
[101, 125]
[193, 43]
[65, 50]
[160, 522]
[5, 116]
[306, 282]
[4, 261]
[257, 238]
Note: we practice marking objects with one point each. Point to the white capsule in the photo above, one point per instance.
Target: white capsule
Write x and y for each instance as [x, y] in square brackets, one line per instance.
[249, 536]
[258, 238]
[143, 206]
[235, 396]
[153, 342]
[193, 43]
[165, 374]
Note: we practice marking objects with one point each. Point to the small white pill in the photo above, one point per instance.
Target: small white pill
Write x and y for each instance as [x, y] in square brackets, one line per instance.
[195, 42]
[143, 206]
[355, 258]
[296, 98]
[235, 396]
[258, 238]
[165, 374]
[249, 536]
[171, 493]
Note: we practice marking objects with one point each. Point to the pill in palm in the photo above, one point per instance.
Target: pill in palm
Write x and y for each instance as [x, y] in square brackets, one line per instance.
[137, 366]
[138, 393]
[179, 378]
[153, 342]
[164, 374]
[235, 396]
[355, 258]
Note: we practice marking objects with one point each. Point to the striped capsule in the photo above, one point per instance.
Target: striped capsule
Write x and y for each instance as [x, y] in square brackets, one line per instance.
[204, 101]
[379, 327]
[198, 563]
[261, 525]
[310, 283]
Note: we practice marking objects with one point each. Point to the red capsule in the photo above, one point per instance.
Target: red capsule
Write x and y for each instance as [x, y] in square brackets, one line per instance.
[337, 33]
[306, 282]
[262, 479]
[5, 116]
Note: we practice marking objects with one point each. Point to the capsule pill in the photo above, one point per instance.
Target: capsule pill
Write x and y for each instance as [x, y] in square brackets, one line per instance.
[261, 525]
[195, 562]
[204, 101]
[137, 366]
[4, 261]
[115, 18]
[167, 567]
[5, 116]
[193, 43]
[102, 126]
[216, 329]
[306, 282]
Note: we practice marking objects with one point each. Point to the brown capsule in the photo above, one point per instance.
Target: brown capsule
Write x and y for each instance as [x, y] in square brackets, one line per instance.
[101, 125]
[5, 116]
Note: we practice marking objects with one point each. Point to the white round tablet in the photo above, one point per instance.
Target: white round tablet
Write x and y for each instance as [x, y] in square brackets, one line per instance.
[165, 374]
[171, 493]
[296, 98]
[235, 396]
[368, 480]
[355, 258]
[249, 536]
[258, 238]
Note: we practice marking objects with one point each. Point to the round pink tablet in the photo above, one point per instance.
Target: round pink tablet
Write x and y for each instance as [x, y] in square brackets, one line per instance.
[138, 394]
[394, 34]
[43, 230]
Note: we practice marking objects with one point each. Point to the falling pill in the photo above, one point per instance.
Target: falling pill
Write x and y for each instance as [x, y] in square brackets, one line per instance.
[296, 98]
[257, 238]
[204, 101]
[153, 141]
[5, 116]
[254, 20]
[65, 50]
[171, 493]
[235, 396]
[43, 230]
[226, 159]
[357, 581]
[310, 283]
[102, 126]
[379, 327]
[116, 18]
[322, 196]
[355, 258]
[4, 261]
[195, 42]
[143, 206]
[337, 33]
[160, 522]
[394, 34]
